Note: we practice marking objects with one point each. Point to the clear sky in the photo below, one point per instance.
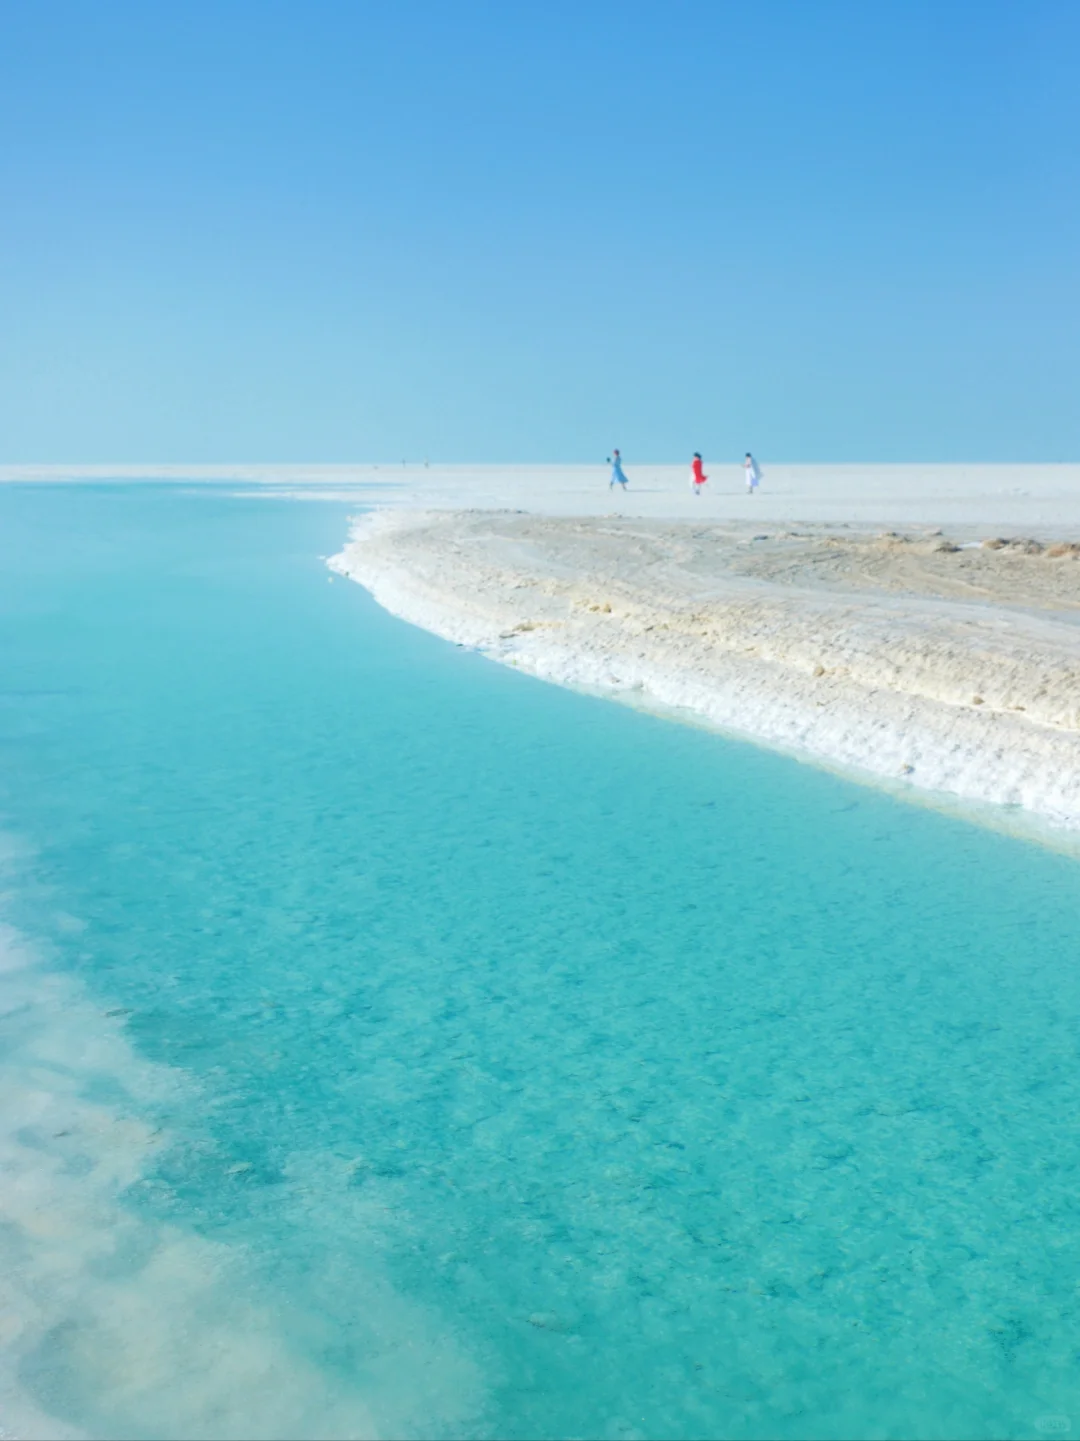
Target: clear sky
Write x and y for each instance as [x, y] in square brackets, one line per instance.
[532, 230]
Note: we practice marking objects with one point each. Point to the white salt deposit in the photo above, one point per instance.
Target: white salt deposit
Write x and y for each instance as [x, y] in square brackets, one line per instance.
[895, 656]
[110, 1315]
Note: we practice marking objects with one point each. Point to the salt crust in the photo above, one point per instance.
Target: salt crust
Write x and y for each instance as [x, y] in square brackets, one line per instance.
[132, 1323]
[170, 1337]
[980, 702]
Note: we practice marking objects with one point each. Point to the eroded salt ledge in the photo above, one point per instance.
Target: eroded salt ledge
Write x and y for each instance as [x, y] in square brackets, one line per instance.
[933, 677]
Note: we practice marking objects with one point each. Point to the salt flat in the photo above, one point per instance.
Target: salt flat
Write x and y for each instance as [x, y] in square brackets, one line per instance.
[1041, 499]
[912, 623]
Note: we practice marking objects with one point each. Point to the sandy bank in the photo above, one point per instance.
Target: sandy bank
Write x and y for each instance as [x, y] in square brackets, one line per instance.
[952, 669]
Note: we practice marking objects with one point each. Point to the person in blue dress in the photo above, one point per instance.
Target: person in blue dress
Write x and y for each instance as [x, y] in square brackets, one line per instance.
[617, 476]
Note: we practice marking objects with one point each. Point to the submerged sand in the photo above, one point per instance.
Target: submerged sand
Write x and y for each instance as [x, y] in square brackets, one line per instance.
[947, 661]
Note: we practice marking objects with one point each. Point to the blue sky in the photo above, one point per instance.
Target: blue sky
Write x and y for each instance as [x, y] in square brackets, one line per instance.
[475, 231]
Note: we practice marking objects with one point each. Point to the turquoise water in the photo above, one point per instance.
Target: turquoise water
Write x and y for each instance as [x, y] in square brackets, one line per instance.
[445, 1054]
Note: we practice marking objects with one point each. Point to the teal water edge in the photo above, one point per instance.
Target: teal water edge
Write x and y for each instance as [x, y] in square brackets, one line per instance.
[393, 1044]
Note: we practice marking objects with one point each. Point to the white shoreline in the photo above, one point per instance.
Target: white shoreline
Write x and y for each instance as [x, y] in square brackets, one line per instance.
[978, 704]
[1039, 498]
[879, 682]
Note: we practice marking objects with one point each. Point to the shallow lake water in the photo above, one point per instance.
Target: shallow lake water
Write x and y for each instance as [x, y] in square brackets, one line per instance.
[395, 1045]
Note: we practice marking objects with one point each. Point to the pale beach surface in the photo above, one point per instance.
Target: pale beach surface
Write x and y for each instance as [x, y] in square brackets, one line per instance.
[867, 617]
[1040, 499]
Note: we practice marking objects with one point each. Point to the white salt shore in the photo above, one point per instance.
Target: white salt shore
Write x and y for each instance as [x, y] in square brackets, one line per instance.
[859, 620]
[831, 615]
[1029, 498]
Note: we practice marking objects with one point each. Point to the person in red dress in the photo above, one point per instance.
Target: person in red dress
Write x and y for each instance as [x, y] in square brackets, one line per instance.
[697, 475]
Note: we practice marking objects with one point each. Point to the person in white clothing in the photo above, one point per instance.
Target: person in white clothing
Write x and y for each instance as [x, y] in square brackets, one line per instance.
[753, 473]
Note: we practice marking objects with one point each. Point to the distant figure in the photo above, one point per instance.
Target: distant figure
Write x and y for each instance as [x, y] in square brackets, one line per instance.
[753, 473]
[697, 475]
[617, 476]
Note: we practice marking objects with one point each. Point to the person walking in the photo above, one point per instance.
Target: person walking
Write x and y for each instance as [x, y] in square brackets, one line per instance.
[753, 473]
[617, 475]
[697, 475]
